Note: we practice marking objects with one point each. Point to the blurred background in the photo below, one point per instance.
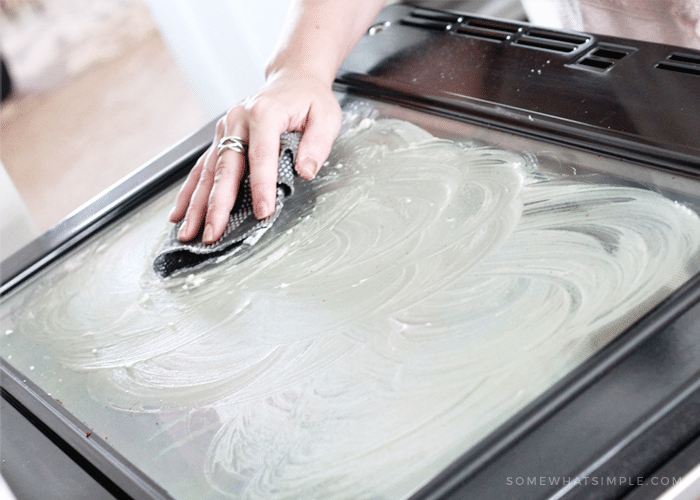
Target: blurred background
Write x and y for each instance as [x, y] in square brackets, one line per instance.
[95, 93]
[96, 88]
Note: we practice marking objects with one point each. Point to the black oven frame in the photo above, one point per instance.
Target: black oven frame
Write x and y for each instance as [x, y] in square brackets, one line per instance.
[602, 420]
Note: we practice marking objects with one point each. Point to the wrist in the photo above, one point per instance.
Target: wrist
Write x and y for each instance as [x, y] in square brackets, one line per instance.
[309, 69]
[299, 73]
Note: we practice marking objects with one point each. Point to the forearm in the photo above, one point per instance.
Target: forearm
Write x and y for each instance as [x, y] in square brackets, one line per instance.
[297, 96]
[319, 34]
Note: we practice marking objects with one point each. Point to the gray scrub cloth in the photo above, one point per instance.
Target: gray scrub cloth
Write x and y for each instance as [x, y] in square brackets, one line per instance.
[242, 231]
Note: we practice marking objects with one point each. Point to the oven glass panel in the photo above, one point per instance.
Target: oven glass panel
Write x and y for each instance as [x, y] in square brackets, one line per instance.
[433, 279]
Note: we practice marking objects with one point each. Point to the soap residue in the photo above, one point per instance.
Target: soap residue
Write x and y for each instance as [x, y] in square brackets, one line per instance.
[426, 291]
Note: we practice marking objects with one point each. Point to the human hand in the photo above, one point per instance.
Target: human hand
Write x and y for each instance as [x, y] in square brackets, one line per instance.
[287, 102]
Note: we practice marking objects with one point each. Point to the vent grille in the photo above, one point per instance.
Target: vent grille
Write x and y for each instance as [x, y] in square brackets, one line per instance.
[484, 28]
[681, 63]
[432, 20]
[447, 17]
[609, 53]
[552, 41]
[463, 25]
[595, 63]
[426, 24]
[603, 57]
[495, 30]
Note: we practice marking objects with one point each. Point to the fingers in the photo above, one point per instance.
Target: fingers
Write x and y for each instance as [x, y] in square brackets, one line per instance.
[285, 103]
[185, 194]
[228, 173]
[263, 156]
[322, 127]
[198, 201]
[209, 192]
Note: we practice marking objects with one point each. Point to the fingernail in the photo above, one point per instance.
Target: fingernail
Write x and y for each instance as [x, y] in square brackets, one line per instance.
[183, 230]
[172, 212]
[208, 235]
[260, 209]
[307, 169]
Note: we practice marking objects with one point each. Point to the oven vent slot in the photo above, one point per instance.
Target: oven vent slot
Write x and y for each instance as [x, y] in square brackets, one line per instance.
[603, 57]
[553, 41]
[446, 17]
[484, 28]
[432, 20]
[685, 58]
[418, 22]
[681, 63]
[609, 53]
[494, 30]
[595, 63]
[461, 24]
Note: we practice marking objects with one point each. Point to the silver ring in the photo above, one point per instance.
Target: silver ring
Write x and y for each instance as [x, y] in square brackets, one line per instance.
[232, 142]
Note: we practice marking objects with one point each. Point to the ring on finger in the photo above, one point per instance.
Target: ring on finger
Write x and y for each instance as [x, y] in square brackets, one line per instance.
[232, 142]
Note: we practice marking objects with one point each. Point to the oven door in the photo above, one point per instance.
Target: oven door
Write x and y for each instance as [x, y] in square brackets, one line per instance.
[490, 291]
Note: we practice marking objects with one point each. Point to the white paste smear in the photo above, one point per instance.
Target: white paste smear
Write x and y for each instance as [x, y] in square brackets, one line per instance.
[432, 290]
